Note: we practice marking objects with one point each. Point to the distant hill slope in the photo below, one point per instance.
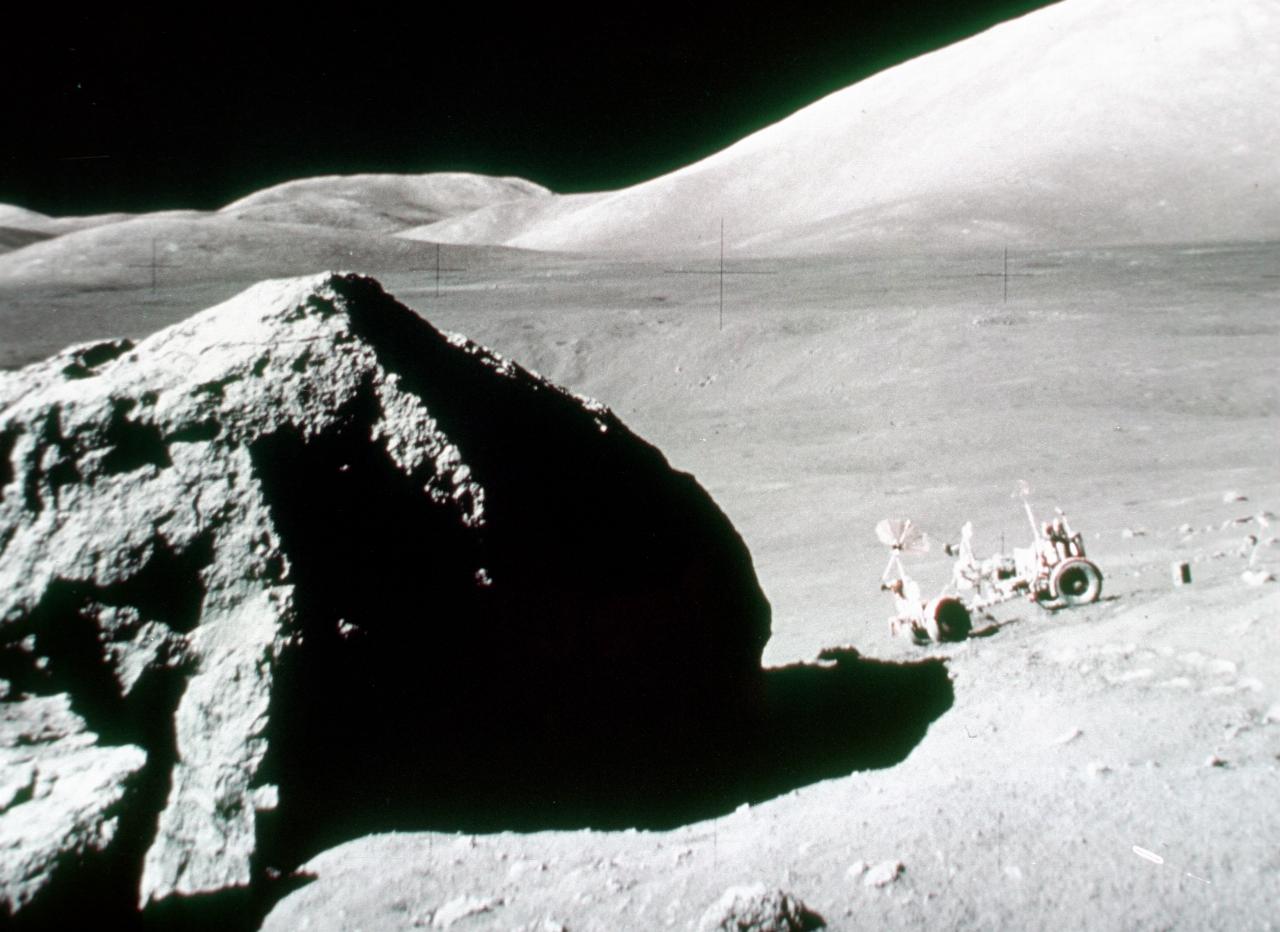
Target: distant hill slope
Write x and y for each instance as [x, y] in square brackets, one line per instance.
[27, 226]
[380, 203]
[292, 229]
[17, 237]
[211, 248]
[1088, 121]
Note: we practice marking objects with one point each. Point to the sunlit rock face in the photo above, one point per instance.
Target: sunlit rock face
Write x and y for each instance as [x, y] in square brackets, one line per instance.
[302, 567]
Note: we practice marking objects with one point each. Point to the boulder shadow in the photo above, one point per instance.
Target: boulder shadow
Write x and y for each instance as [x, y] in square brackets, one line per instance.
[848, 713]
[813, 722]
[501, 770]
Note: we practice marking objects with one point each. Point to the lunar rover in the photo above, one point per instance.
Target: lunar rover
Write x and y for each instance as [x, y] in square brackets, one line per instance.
[1054, 572]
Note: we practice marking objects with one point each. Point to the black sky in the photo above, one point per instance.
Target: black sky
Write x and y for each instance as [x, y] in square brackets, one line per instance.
[135, 111]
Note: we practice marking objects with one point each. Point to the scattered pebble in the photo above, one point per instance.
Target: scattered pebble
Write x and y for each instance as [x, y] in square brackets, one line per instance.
[1213, 760]
[883, 874]
[546, 924]
[1257, 577]
[1231, 497]
[1130, 533]
[1186, 529]
[1273, 713]
[1148, 855]
[519, 868]
[460, 908]
[1068, 737]
[756, 908]
[1013, 872]
[858, 868]
[1096, 769]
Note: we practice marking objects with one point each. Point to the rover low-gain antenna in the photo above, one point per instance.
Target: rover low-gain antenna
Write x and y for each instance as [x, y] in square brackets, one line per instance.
[1023, 490]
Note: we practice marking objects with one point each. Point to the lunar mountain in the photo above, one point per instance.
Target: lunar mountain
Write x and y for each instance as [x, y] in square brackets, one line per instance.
[1085, 122]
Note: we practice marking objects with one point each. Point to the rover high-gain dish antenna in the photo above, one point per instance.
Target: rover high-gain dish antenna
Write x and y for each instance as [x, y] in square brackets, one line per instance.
[900, 535]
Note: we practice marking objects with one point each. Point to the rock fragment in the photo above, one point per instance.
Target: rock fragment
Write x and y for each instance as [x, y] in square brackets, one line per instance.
[302, 560]
[883, 873]
[756, 908]
[61, 796]
[462, 907]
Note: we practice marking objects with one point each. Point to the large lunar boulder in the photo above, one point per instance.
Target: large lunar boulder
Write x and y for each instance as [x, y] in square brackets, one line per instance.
[302, 567]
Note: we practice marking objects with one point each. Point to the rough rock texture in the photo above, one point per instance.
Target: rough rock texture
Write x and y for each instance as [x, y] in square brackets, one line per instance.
[59, 793]
[322, 564]
[756, 908]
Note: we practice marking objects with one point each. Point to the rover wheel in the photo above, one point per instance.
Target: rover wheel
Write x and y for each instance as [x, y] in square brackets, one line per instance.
[1076, 581]
[947, 619]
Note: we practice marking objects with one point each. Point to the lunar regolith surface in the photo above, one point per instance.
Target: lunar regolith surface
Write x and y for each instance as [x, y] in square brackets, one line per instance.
[315, 614]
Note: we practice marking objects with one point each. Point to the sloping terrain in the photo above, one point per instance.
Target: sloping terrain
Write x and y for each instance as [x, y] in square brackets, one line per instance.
[22, 226]
[1085, 122]
[1107, 767]
[200, 248]
[1133, 387]
[296, 228]
[380, 203]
